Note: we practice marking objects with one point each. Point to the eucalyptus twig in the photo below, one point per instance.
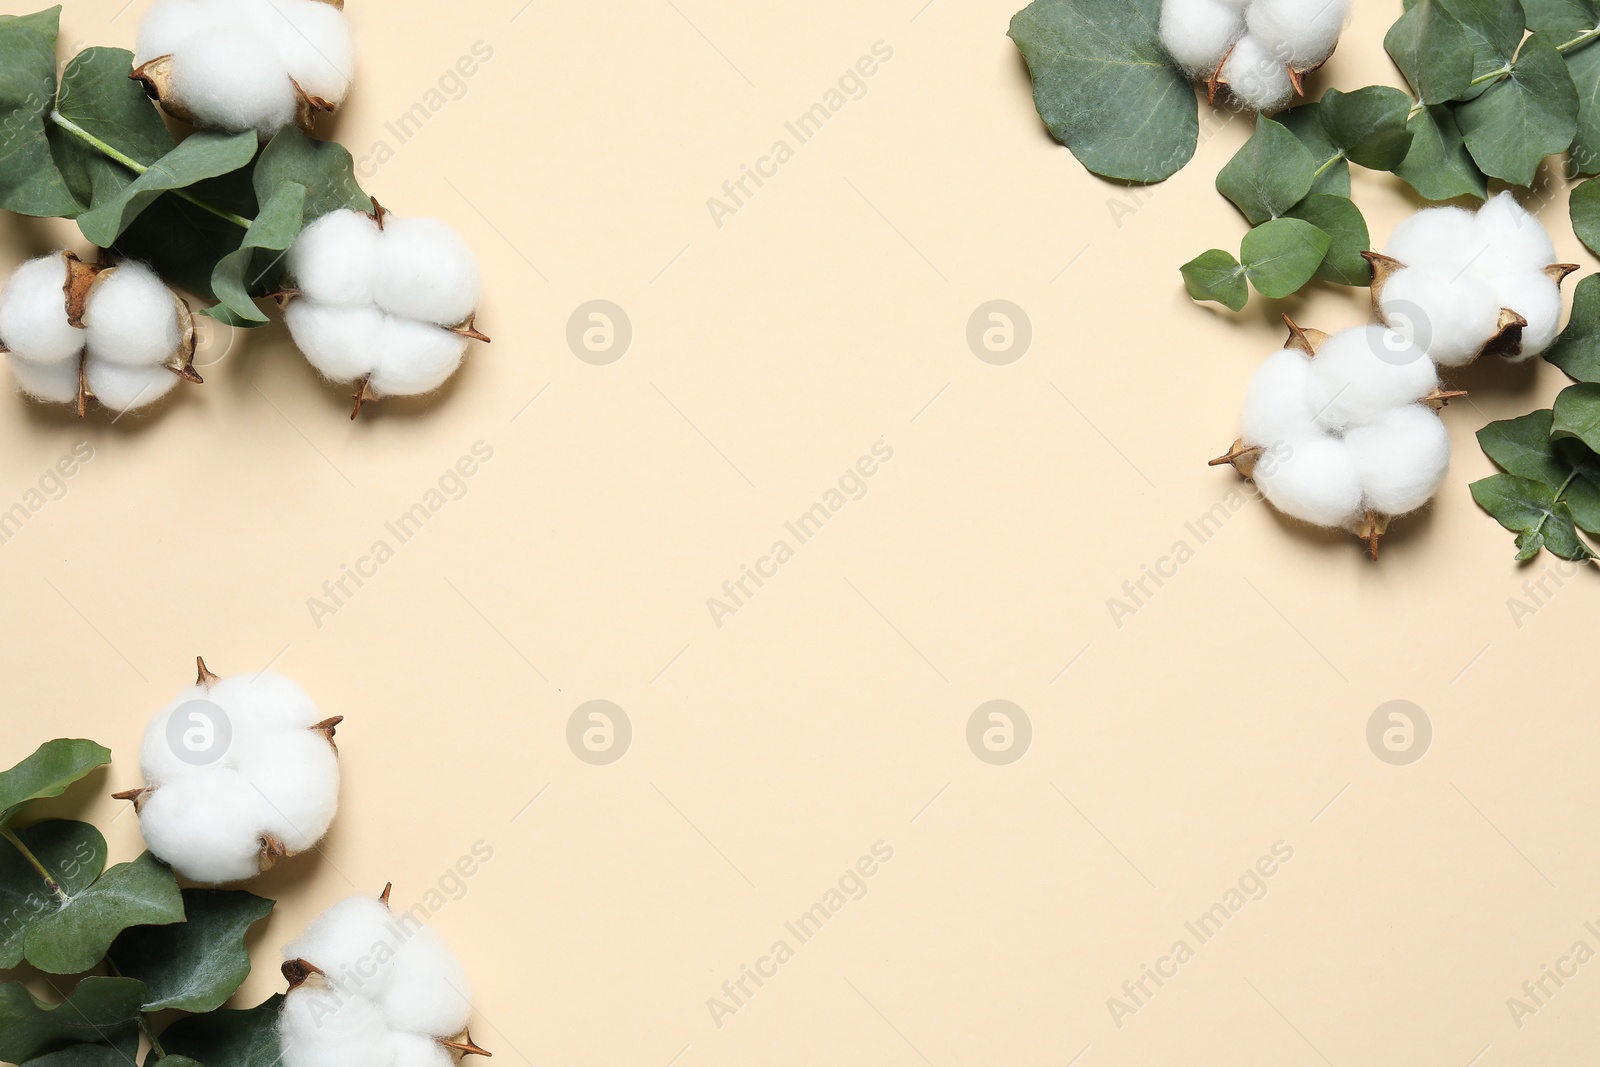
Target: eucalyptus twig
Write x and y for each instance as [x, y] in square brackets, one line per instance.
[33, 861]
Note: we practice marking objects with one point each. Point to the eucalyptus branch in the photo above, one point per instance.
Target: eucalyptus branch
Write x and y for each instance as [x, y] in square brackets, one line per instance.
[33, 861]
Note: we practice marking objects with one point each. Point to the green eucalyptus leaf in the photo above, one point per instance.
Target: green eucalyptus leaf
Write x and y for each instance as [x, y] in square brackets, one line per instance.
[98, 97]
[53, 767]
[1584, 207]
[195, 965]
[90, 1055]
[1332, 169]
[1438, 164]
[1342, 221]
[259, 258]
[1583, 492]
[228, 1038]
[1522, 447]
[1281, 256]
[1576, 415]
[1523, 117]
[323, 167]
[73, 853]
[200, 156]
[1530, 510]
[1369, 125]
[1577, 350]
[1495, 28]
[100, 1011]
[74, 937]
[165, 1061]
[184, 243]
[1105, 87]
[1216, 275]
[1563, 20]
[1433, 50]
[1583, 65]
[1269, 175]
[30, 182]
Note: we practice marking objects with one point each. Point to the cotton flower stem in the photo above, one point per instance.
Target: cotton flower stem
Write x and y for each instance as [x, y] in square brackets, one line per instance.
[360, 398]
[134, 165]
[33, 861]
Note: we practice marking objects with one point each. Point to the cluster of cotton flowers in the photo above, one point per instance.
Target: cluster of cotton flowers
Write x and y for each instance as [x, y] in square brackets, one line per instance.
[1343, 431]
[1462, 284]
[73, 330]
[384, 302]
[238, 65]
[371, 989]
[240, 773]
[1259, 49]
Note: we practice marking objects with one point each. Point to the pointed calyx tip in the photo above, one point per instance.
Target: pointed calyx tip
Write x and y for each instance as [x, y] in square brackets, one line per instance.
[466, 1046]
[296, 971]
[1373, 526]
[206, 678]
[327, 728]
[1302, 339]
[361, 397]
[383, 898]
[1241, 457]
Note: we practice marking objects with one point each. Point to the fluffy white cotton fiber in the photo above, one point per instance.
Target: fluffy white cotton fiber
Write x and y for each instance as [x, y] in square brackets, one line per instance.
[1344, 433]
[1252, 45]
[1454, 271]
[236, 770]
[132, 340]
[383, 305]
[378, 990]
[241, 65]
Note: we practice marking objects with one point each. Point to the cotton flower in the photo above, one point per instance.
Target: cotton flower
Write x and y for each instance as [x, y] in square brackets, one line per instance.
[382, 301]
[1343, 431]
[1461, 284]
[73, 330]
[239, 65]
[372, 989]
[1259, 49]
[240, 773]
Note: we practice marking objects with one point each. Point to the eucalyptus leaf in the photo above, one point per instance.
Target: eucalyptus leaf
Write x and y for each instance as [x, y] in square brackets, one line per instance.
[72, 853]
[1577, 350]
[1369, 125]
[1583, 64]
[1433, 50]
[1584, 207]
[184, 243]
[1281, 256]
[74, 937]
[1438, 164]
[259, 257]
[1530, 510]
[1270, 174]
[82, 1055]
[1105, 87]
[53, 767]
[1332, 171]
[1216, 275]
[1576, 415]
[1563, 20]
[99, 1011]
[195, 965]
[323, 167]
[30, 182]
[1342, 221]
[200, 156]
[1523, 117]
[1522, 447]
[98, 97]
[228, 1038]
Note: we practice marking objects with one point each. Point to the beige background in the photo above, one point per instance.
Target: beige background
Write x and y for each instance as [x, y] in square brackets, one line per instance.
[829, 312]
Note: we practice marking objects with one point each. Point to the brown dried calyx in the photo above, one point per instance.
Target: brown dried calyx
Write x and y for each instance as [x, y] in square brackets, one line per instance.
[1507, 339]
[155, 77]
[82, 280]
[1297, 76]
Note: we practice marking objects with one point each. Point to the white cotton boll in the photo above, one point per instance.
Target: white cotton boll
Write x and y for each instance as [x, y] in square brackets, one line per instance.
[123, 388]
[321, 1027]
[159, 761]
[230, 79]
[1277, 406]
[344, 344]
[1518, 243]
[334, 261]
[1401, 460]
[426, 271]
[1312, 480]
[1443, 237]
[131, 317]
[1364, 372]
[170, 23]
[1300, 33]
[313, 41]
[417, 1050]
[1451, 315]
[205, 827]
[1257, 77]
[33, 313]
[352, 943]
[53, 383]
[1536, 298]
[297, 775]
[427, 990]
[418, 358]
[267, 698]
[1198, 33]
